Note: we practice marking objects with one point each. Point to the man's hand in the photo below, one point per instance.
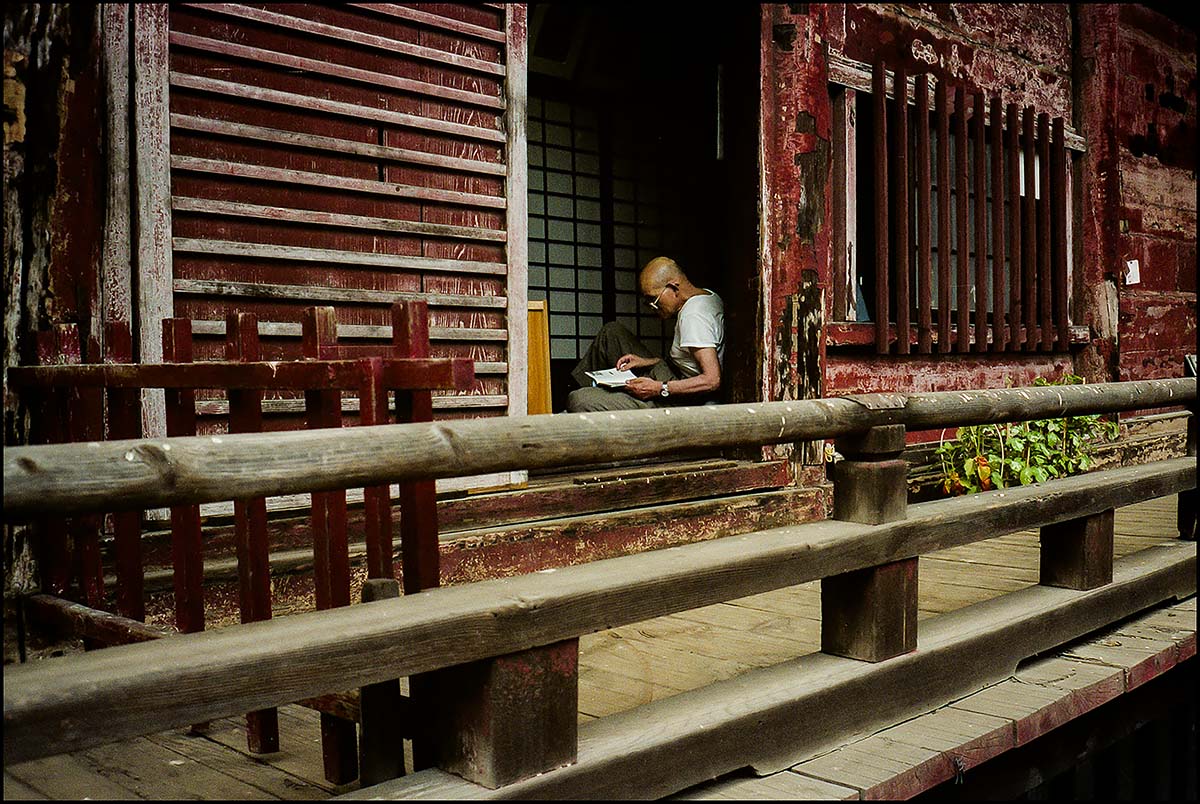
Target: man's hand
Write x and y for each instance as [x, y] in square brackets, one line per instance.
[631, 362]
[644, 387]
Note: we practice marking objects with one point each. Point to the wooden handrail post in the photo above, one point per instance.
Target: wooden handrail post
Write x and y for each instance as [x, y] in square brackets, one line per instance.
[1078, 553]
[511, 717]
[871, 614]
[381, 747]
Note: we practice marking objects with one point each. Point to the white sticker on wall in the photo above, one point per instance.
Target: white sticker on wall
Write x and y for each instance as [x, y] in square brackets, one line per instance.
[1133, 273]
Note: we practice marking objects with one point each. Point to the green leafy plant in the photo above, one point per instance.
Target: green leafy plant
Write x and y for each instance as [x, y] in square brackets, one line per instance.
[995, 456]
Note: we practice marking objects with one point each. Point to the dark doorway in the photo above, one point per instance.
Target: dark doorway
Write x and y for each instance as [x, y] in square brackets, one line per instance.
[643, 140]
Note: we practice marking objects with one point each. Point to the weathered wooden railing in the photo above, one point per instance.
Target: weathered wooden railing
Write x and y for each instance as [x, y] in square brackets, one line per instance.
[66, 399]
[506, 650]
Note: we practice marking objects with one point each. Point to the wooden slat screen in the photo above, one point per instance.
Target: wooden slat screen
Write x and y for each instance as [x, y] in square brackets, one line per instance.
[990, 255]
[350, 156]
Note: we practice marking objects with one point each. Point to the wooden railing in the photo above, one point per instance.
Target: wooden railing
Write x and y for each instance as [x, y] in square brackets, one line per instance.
[65, 399]
[503, 653]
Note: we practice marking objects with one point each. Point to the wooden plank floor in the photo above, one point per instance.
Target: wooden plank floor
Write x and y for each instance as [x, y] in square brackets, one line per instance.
[619, 669]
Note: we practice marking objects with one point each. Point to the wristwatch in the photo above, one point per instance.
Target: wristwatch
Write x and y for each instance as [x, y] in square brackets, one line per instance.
[665, 391]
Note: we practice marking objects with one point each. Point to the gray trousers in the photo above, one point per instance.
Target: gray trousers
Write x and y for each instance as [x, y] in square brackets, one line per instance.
[610, 343]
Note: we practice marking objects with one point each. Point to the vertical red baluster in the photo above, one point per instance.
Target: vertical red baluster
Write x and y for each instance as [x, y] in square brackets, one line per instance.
[879, 105]
[962, 208]
[186, 548]
[1029, 236]
[124, 422]
[1058, 197]
[250, 518]
[941, 100]
[981, 239]
[1015, 295]
[1045, 279]
[377, 504]
[331, 558]
[924, 213]
[903, 256]
[999, 332]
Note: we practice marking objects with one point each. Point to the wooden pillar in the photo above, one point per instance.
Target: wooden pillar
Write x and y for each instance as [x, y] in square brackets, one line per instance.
[1078, 553]
[511, 717]
[871, 614]
[381, 747]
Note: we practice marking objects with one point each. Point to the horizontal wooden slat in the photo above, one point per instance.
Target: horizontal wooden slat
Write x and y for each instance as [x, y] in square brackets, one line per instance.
[313, 104]
[327, 181]
[290, 215]
[220, 407]
[344, 35]
[333, 144]
[856, 75]
[284, 329]
[268, 251]
[433, 20]
[71, 480]
[215, 287]
[65, 704]
[407, 373]
[333, 69]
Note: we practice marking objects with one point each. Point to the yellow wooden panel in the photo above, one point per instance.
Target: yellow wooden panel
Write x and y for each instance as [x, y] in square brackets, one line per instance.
[539, 358]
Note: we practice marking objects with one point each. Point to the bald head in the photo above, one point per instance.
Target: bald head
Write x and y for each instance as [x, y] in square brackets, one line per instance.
[661, 270]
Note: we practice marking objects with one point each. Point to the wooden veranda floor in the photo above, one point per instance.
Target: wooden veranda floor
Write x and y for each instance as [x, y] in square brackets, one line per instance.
[619, 669]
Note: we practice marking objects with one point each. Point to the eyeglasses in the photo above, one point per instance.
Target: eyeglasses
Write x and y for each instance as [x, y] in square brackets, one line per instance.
[654, 304]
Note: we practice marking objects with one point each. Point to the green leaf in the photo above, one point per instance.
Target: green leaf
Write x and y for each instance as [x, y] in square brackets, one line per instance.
[1041, 474]
[1026, 475]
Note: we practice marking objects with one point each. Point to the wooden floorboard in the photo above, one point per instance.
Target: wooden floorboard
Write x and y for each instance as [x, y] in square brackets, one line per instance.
[633, 665]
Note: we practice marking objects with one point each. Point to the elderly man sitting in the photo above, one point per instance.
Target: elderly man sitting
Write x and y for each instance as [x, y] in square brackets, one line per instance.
[690, 374]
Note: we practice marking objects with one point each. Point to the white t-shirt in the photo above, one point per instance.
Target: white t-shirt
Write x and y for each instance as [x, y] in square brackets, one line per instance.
[700, 322]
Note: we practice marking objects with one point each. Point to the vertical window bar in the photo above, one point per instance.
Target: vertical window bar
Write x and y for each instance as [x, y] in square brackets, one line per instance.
[1045, 281]
[902, 255]
[981, 275]
[879, 92]
[1029, 235]
[1012, 145]
[843, 231]
[999, 335]
[1058, 198]
[941, 102]
[924, 259]
[962, 208]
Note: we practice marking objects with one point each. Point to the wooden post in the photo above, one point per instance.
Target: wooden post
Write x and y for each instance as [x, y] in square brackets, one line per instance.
[1078, 553]
[1188, 499]
[331, 558]
[871, 614]
[420, 557]
[381, 748]
[512, 717]
[250, 519]
[377, 501]
[52, 547]
[124, 421]
[186, 548]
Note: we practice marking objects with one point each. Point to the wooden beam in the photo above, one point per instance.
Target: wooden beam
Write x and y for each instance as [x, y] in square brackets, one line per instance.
[882, 265]
[124, 475]
[65, 704]
[416, 373]
[516, 189]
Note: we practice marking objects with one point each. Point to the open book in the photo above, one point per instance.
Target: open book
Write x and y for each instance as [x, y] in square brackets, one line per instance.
[611, 378]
